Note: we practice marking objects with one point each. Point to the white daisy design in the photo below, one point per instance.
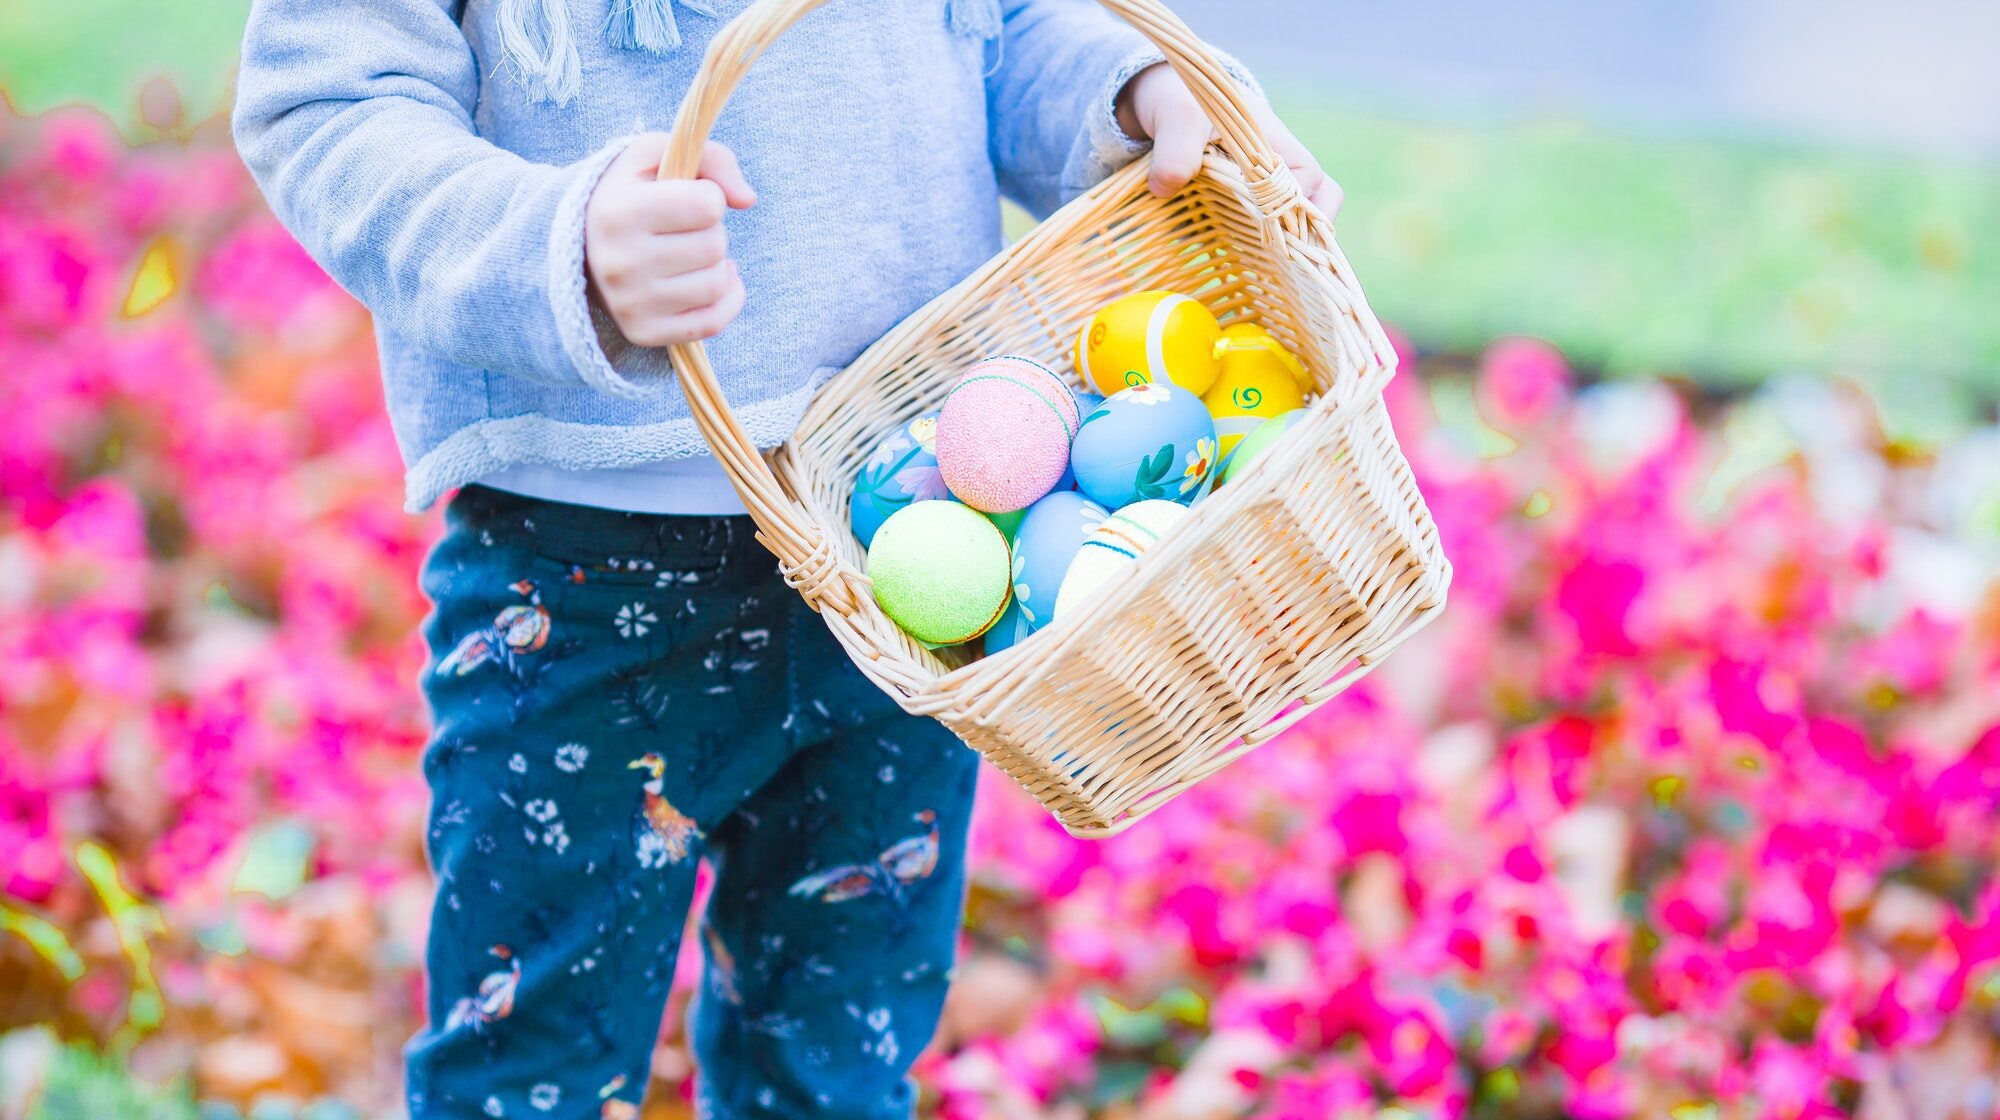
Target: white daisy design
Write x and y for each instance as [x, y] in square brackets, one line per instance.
[545, 1096]
[541, 810]
[570, 757]
[888, 451]
[635, 620]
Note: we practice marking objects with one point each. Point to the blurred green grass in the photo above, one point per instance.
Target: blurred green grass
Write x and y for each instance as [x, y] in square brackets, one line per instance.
[1727, 260]
[99, 52]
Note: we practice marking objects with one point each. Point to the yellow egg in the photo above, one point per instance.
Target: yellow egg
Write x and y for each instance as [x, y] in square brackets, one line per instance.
[1259, 379]
[1149, 337]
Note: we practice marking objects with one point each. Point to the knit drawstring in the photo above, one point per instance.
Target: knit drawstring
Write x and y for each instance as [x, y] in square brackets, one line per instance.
[649, 25]
[537, 41]
[978, 19]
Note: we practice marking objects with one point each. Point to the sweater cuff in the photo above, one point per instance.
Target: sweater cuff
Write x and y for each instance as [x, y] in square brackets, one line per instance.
[581, 326]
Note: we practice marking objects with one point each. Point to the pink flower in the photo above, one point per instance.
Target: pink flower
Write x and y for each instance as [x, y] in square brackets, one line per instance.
[1598, 597]
[1522, 383]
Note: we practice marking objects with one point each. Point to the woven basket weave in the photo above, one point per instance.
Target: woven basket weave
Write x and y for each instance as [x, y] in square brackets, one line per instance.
[1274, 595]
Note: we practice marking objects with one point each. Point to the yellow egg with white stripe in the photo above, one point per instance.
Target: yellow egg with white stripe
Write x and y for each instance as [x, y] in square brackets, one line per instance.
[1259, 379]
[1150, 337]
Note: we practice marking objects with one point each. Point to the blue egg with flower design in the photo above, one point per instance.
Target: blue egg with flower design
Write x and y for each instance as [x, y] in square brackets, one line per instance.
[902, 470]
[1149, 442]
[1051, 535]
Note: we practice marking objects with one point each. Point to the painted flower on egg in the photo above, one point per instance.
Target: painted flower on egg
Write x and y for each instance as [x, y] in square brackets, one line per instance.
[1199, 462]
[889, 450]
[1022, 592]
[923, 484]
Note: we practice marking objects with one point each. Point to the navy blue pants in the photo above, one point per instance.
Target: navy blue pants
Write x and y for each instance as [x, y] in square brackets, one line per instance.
[616, 697]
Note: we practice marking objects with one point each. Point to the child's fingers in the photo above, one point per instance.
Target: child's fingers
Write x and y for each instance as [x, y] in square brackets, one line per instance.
[641, 157]
[719, 166]
[709, 321]
[1328, 198]
[689, 291]
[1178, 145]
[1318, 187]
[672, 206]
[677, 253]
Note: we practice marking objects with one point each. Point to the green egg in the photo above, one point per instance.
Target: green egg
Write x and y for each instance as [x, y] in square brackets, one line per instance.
[941, 571]
[1258, 442]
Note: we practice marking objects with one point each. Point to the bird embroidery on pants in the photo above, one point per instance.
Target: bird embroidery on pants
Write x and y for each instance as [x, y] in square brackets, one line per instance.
[519, 629]
[669, 834]
[495, 1000]
[902, 865]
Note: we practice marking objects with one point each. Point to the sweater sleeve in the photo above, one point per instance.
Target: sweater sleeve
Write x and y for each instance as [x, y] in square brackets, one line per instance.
[1052, 98]
[356, 121]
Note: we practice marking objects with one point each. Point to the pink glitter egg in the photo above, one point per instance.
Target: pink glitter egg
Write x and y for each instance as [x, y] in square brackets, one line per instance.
[1004, 436]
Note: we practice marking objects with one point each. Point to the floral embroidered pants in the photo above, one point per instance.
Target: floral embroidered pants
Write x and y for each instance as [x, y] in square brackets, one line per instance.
[616, 697]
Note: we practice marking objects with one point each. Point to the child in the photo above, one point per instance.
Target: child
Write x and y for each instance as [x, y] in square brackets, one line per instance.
[621, 683]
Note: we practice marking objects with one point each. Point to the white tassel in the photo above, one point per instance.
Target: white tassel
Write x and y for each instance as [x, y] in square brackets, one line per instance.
[977, 19]
[535, 38]
[649, 25]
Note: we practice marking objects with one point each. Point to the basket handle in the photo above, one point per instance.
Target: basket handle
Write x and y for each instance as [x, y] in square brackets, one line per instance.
[807, 557]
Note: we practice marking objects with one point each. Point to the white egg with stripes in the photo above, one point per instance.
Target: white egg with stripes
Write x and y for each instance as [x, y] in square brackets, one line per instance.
[1112, 547]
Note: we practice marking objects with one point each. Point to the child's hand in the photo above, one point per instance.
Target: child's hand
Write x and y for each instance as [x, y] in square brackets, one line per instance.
[655, 250]
[1157, 105]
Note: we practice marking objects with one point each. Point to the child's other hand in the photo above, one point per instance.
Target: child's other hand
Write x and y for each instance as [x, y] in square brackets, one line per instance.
[655, 250]
[1157, 105]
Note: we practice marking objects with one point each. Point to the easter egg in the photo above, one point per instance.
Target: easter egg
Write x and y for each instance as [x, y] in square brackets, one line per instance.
[903, 469]
[1259, 379]
[1050, 537]
[1009, 632]
[1004, 435]
[1115, 544]
[940, 570]
[1008, 523]
[1086, 403]
[1257, 443]
[1149, 441]
[1157, 337]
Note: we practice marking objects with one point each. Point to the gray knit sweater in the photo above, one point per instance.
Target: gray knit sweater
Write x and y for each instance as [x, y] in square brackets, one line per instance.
[435, 157]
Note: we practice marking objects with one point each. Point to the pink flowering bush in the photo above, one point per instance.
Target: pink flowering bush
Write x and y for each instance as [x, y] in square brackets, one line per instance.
[1687, 806]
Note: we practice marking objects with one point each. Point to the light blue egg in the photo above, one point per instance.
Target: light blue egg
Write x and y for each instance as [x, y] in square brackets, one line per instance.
[1049, 538]
[1154, 441]
[902, 469]
[1009, 631]
[1086, 403]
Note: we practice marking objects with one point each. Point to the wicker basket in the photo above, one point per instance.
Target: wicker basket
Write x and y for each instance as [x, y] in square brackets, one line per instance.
[1275, 594]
